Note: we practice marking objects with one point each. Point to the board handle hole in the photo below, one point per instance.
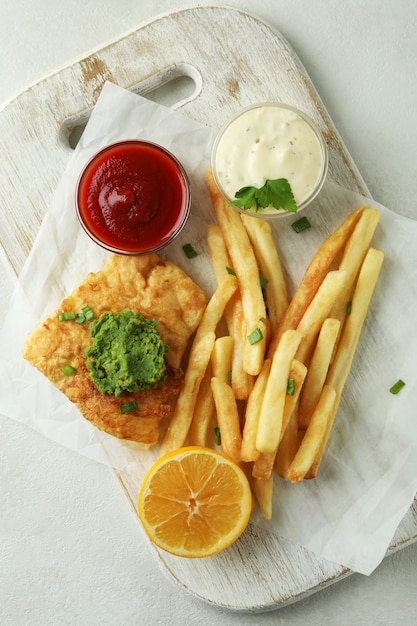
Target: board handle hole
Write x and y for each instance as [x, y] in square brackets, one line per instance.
[172, 87]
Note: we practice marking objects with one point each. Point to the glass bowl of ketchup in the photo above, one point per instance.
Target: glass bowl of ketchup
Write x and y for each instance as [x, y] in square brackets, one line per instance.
[133, 197]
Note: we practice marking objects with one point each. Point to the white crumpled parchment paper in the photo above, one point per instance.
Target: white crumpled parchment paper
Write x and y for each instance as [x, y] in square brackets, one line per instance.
[368, 477]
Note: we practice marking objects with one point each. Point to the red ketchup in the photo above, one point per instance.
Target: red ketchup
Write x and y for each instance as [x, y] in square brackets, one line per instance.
[133, 197]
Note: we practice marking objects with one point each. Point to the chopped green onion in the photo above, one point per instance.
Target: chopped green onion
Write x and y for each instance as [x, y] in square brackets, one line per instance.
[290, 387]
[396, 387]
[66, 315]
[255, 336]
[68, 370]
[349, 308]
[264, 281]
[230, 271]
[230, 376]
[217, 436]
[301, 224]
[87, 312]
[128, 407]
[189, 251]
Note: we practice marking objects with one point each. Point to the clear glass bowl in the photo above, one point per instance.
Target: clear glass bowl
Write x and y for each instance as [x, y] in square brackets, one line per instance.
[270, 140]
[133, 197]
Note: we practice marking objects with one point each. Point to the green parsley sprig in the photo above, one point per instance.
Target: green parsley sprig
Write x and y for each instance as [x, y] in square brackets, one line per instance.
[277, 193]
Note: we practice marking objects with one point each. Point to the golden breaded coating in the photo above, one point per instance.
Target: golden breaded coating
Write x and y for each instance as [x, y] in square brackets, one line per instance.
[153, 288]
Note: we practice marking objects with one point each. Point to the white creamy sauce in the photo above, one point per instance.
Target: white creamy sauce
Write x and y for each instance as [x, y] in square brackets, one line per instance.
[268, 143]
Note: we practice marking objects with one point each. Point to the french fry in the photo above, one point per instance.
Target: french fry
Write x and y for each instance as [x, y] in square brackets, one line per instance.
[227, 413]
[242, 382]
[182, 416]
[215, 307]
[263, 467]
[264, 463]
[314, 275]
[241, 253]
[341, 365]
[298, 373]
[252, 412]
[288, 447]
[317, 370]
[221, 358]
[269, 263]
[314, 436]
[263, 491]
[219, 256]
[361, 299]
[203, 412]
[353, 256]
[254, 353]
[317, 311]
[246, 268]
[199, 358]
[272, 411]
[227, 418]
[220, 261]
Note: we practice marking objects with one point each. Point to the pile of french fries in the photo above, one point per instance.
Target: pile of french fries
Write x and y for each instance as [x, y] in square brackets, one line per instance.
[272, 382]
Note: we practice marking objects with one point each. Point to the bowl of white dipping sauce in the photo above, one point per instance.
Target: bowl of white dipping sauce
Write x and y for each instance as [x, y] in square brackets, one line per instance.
[266, 142]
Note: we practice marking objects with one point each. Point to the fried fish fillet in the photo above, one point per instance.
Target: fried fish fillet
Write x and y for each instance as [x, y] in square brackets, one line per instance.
[154, 288]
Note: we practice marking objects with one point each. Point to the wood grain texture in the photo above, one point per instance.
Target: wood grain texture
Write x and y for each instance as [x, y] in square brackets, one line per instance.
[201, 57]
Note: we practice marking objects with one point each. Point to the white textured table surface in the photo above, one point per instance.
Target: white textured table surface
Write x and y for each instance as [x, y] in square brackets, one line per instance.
[69, 547]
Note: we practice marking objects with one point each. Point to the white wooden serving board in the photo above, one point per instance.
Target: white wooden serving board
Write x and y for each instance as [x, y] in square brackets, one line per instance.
[208, 61]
